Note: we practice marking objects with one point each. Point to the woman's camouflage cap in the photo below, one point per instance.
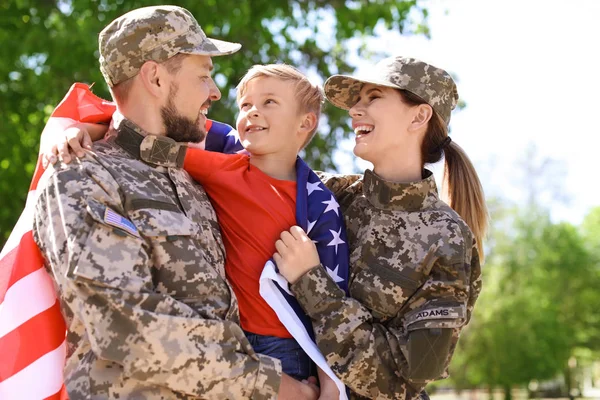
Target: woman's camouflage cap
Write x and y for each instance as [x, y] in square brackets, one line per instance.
[432, 84]
[153, 33]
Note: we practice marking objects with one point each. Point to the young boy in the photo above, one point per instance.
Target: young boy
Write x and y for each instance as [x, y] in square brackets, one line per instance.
[255, 197]
[259, 196]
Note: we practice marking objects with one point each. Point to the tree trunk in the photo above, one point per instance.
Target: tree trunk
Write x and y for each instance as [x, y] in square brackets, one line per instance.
[507, 393]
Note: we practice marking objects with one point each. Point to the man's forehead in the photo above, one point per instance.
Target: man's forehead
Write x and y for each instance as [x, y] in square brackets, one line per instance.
[204, 62]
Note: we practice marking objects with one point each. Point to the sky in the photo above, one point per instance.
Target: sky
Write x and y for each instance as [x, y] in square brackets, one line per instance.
[528, 71]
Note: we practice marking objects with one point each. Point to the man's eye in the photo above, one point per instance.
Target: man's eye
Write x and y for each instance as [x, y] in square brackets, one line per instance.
[269, 101]
[373, 97]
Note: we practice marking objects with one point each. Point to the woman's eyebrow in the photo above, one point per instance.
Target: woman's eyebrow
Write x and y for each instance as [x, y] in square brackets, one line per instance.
[372, 90]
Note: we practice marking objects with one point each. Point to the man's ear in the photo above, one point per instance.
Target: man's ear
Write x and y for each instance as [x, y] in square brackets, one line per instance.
[154, 78]
[421, 116]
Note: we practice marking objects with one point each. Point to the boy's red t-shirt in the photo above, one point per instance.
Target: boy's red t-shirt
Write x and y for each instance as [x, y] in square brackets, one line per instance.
[253, 209]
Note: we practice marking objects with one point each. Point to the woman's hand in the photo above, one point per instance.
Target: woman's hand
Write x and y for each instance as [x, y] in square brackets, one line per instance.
[296, 254]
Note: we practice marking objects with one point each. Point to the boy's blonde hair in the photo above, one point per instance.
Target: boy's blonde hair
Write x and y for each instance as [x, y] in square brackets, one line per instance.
[310, 96]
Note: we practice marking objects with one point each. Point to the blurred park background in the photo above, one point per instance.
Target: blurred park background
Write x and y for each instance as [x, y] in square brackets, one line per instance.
[527, 73]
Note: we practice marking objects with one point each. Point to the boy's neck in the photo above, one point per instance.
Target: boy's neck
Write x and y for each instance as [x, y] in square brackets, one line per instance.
[276, 165]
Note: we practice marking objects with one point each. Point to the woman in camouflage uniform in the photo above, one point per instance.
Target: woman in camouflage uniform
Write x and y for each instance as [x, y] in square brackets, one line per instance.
[415, 272]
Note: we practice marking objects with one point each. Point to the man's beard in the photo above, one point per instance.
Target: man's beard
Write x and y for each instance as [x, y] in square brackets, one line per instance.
[179, 127]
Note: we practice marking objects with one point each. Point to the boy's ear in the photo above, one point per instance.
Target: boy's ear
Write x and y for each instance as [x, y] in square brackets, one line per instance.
[309, 123]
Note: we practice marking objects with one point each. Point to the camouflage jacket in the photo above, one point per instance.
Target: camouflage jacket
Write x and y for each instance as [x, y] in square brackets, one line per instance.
[413, 265]
[138, 260]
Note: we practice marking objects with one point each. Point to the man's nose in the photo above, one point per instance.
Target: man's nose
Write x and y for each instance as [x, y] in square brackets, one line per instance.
[215, 93]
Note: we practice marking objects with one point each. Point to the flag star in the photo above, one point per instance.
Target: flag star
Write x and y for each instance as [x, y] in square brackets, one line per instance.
[235, 135]
[310, 226]
[334, 274]
[313, 187]
[332, 205]
[336, 239]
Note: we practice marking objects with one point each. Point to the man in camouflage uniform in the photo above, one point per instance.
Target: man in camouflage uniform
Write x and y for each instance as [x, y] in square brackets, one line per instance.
[414, 264]
[132, 241]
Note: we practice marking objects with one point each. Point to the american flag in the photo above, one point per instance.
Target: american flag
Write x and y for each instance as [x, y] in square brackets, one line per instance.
[32, 329]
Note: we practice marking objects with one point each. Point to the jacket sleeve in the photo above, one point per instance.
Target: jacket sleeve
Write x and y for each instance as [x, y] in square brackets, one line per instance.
[103, 269]
[390, 360]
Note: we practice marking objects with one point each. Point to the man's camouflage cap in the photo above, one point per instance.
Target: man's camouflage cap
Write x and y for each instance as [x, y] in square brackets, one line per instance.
[153, 33]
[432, 84]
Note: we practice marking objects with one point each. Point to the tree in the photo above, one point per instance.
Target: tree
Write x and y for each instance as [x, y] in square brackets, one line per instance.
[46, 45]
[537, 308]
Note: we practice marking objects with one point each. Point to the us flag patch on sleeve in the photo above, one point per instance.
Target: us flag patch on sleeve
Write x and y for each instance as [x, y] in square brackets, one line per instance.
[114, 219]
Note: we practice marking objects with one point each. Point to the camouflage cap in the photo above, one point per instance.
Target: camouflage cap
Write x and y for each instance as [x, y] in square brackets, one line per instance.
[153, 33]
[432, 84]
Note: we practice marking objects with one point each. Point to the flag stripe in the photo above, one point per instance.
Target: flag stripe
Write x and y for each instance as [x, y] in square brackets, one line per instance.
[29, 259]
[40, 379]
[32, 329]
[62, 395]
[24, 224]
[25, 299]
[32, 340]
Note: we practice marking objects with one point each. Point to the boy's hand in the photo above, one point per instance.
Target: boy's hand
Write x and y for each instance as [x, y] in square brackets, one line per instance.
[69, 144]
[296, 254]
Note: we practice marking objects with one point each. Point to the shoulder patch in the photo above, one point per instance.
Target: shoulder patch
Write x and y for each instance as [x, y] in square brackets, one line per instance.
[114, 219]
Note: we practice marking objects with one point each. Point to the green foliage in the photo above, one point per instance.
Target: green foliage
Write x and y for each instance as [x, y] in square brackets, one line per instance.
[539, 303]
[47, 45]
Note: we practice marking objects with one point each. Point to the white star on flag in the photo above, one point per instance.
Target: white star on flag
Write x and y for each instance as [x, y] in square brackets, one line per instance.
[334, 274]
[332, 205]
[313, 187]
[336, 239]
[234, 133]
[310, 226]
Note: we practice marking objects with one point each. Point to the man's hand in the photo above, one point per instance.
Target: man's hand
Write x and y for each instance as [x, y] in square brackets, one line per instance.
[329, 390]
[291, 389]
[296, 254]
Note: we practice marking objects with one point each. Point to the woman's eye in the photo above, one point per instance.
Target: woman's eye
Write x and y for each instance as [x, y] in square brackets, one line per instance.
[244, 105]
[269, 101]
[371, 98]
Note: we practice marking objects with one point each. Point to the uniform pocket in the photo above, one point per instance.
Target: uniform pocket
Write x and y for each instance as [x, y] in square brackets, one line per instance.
[161, 222]
[384, 290]
[181, 267]
[111, 253]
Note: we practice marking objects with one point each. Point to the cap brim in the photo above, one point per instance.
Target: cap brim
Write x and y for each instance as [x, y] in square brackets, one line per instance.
[214, 47]
[343, 90]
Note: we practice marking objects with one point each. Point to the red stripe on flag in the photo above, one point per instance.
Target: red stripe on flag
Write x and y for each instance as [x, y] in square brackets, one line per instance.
[6, 270]
[31, 340]
[29, 260]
